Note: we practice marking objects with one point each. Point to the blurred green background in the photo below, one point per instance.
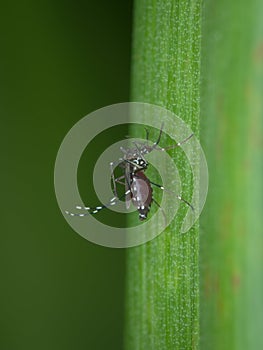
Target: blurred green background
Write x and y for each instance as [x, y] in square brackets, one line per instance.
[60, 60]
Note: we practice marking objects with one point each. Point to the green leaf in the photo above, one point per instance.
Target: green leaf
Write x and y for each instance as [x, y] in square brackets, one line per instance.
[162, 275]
[232, 129]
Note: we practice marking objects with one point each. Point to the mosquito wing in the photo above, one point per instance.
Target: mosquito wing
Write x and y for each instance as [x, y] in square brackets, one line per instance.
[128, 185]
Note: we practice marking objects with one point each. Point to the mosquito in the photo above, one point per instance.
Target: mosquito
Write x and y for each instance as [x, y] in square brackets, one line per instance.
[138, 187]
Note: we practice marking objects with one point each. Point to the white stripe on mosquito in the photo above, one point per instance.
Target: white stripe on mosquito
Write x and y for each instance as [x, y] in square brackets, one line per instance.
[82, 208]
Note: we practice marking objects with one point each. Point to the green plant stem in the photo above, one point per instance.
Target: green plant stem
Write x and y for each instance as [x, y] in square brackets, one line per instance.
[163, 275]
[232, 129]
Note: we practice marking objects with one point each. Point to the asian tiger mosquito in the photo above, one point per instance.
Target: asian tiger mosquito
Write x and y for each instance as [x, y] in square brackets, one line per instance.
[138, 187]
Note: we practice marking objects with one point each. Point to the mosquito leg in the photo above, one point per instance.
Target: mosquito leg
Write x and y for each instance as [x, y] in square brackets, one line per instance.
[132, 163]
[164, 189]
[118, 180]
[123, 150]
[148, 149]
[113, 179]
[95, 210]
[89, 209]
[158, 205]
[126, 184]
[185, 201]
[174, 146]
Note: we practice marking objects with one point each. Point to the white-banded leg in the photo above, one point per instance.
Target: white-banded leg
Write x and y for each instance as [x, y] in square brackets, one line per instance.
[90, 210]
[176, 145]
[158, 205]
[169, 147]
[169, 191]
[177, 196]
[95, 210]
[147, 149]
[133, 164]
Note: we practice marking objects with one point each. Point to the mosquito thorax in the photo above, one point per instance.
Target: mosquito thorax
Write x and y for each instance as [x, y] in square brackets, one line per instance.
[139, 163]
